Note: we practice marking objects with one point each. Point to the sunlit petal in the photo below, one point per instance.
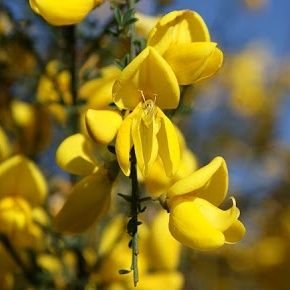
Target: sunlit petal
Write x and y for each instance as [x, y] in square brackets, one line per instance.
[63, 12]
[178, 27]
[194, 61]
[169, 144]
[209, 182]
[218, 218]
[189, 226]
[152, 75]
[145, 143]
[124, 144]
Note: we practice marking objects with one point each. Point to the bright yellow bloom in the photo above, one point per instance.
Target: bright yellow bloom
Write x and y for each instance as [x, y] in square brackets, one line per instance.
[90, 198]
[65, 12]
[182, 38]
[157, 182]
[144, 86]
[195, 219]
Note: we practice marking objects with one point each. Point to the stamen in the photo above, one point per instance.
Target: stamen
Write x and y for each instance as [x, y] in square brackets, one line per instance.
[149, 109]
[234, 201]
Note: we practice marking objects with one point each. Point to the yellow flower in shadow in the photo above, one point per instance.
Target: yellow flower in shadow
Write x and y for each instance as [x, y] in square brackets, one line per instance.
[90, 198]
[4, 145]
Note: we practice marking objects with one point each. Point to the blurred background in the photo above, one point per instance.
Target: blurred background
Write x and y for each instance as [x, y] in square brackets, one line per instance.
[242, 114]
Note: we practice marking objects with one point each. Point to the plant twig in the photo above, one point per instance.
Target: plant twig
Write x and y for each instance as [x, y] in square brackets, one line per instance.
[133, 222]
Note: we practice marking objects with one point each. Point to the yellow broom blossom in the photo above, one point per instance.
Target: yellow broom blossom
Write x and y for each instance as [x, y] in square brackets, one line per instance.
[182, 38]
[65, 12]
[195, 219]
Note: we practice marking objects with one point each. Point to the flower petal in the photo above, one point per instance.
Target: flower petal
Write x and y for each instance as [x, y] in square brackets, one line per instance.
[169, 149]
[190, 227]
[161, 243]
[218, 218]
[209, 182]
[235, 232]
[178, 27]
[63, 12]
[172, 279]
[145, 143]
[195, 61]
[98, 92]
[88, 201]
[152, 75]
[102, 125]
[124, 144]
[75, 155]
[21, 177]
[156, 181]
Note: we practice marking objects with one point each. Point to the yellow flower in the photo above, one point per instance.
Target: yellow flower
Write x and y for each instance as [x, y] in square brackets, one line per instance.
[182, 38]
[173, 281]
[98, 92]
[33, 125]
[65, 12]
[22, 190]
[195, 219]
[54, 90]
[164, 250]
[157, 182]
[90, 198]
[103, 125]
[144, 86]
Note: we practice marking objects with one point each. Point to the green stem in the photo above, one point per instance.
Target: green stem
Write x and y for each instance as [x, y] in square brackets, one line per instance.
[135, 194]
[132, 32]
[135, 207]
